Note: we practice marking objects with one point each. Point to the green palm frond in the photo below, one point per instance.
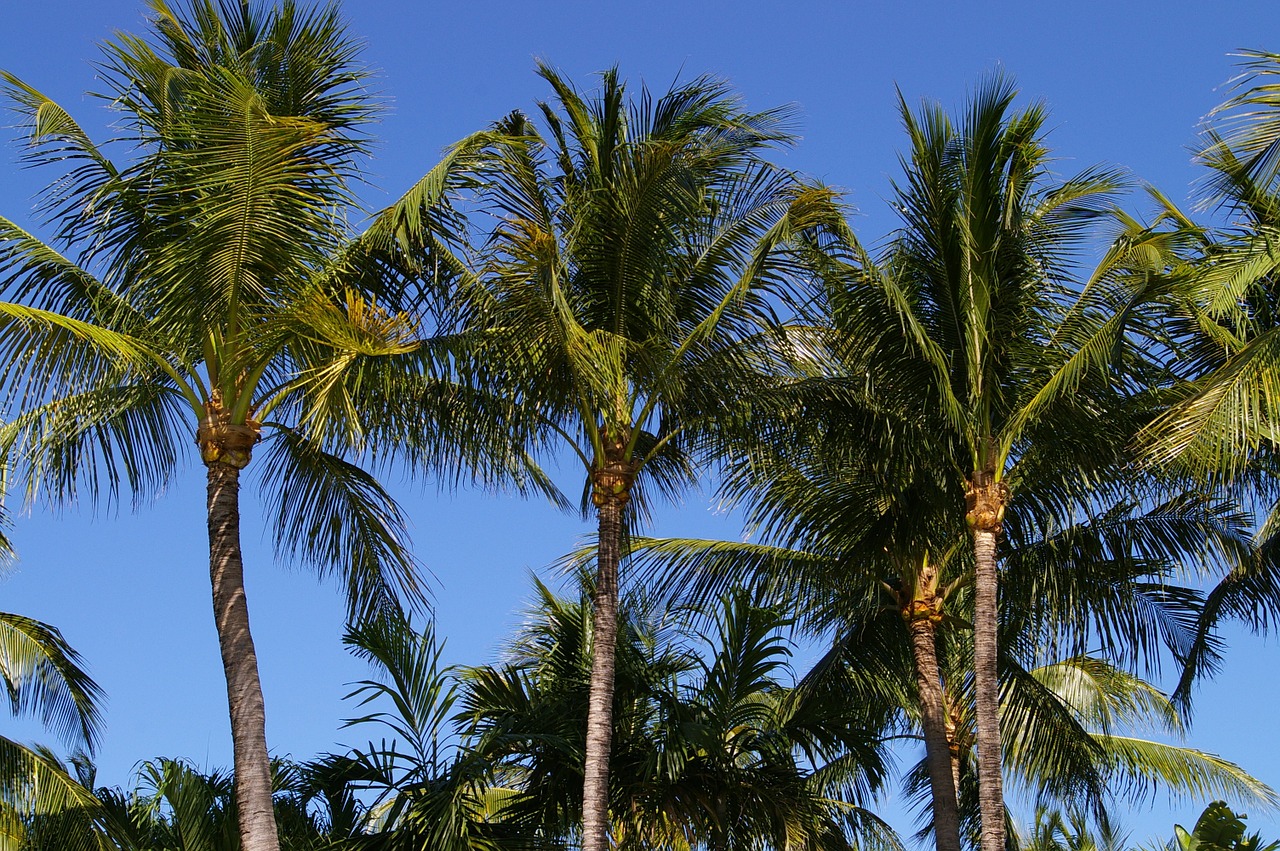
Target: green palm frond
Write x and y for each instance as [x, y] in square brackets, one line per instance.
[421, 690]
[46, 352]
[1090, 710]
[1143, 766]
[1105, 697]
[697, 571]
[417, 228]
[37, 274]
[1118, 576]
[43, 676]
[1251, 114]
[1249, 593]
[337, 518]
[1220, 426]
[91, 442]
[40, 800]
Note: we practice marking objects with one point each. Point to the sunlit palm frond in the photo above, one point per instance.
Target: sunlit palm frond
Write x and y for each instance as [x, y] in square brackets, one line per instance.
[1143, 766]
[47, 353]
[1222, 423]
[92, 442]
[40, 801]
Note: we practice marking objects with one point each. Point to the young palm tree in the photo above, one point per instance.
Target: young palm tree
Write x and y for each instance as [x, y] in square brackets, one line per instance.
[713, 747]
[213, 292]
[622, 281]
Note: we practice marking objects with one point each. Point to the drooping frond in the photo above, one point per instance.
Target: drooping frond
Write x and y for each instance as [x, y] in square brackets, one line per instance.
[43, 676]
[337, 518]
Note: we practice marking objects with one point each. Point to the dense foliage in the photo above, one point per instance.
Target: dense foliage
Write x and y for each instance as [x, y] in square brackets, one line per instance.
[1001, 487]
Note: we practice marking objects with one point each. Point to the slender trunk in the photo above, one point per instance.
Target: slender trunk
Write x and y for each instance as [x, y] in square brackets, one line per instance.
[595, 785]
[986, 500]
[954, 756]
[987, 695]
[955, 748]
[240, 663]
[933, 714]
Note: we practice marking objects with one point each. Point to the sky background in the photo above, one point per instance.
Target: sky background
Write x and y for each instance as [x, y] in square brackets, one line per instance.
[1126, 83]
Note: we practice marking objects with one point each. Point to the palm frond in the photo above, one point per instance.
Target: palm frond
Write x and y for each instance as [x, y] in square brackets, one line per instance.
[338, 519]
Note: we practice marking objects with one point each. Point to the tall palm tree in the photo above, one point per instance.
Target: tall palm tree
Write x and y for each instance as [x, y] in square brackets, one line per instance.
[976, 320]
[622, 281]
[964, 363]
[851, 477]
[212, 291]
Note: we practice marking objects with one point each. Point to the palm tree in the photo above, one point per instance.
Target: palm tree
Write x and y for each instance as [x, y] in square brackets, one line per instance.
[213, 291]
[853, 540]
[712, 746]
[624, 276]
[856, 502]
[975, 325]
[831, 556]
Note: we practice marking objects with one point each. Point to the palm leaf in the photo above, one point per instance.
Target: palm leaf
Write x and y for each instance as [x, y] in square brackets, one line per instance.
[337, 518]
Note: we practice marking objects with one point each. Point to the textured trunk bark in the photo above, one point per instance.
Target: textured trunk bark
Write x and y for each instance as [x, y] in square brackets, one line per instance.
[987, 690]
[240, 663]
[955, 750]
[954, 757]
[595, 786]
[933, 713]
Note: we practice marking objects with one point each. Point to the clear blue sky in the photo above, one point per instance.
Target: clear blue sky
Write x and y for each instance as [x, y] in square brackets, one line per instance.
[1125, 84]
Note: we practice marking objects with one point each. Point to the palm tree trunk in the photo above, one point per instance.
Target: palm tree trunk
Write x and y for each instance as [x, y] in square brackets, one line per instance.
[933, 714]
[955, 748]
[240, 663]
[954, 756]
[986, 689]
[595, 785]
[985, 500]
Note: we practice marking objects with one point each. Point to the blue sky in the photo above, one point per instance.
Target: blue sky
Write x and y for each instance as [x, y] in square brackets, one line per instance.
[1125, 83]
